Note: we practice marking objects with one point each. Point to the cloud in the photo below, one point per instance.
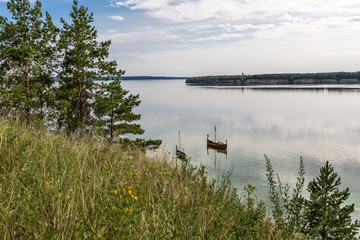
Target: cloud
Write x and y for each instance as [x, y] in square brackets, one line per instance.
[220, 20]
[126, 3]
[151, 36]
[198, 10]
[117, 18]
[221, 37]
[234, 36]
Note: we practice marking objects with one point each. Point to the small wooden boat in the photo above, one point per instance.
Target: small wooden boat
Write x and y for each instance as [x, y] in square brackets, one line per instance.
[214, 144]
[180, 153]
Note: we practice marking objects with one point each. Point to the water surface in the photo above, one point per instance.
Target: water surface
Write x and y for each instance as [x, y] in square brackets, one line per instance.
[320, 124]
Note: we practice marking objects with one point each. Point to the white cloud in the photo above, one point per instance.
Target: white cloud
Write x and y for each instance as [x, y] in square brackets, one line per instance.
[190, 10]
[151, 35]
[245, 27]
[126, 3]
[216, 20]
[117, 18]
[221, 37]
[252, 36]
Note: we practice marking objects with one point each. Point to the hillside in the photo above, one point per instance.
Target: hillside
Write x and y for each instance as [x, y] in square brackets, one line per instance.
[58, 187]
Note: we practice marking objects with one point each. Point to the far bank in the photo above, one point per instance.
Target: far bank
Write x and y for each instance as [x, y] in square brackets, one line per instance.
[277, 79]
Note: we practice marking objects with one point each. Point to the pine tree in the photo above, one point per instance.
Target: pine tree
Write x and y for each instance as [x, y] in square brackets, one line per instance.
[83, 60]
[326, 218]
[43, 82]
[115, 110]
[21, 54]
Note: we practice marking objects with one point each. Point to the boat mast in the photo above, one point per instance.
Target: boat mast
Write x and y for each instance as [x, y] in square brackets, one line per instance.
[215, 133]
[179, 141]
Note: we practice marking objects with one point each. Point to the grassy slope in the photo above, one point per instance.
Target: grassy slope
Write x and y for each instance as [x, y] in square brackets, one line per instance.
[63, 188]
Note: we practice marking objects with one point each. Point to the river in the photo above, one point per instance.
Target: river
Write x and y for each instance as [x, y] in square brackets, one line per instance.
[319, 123]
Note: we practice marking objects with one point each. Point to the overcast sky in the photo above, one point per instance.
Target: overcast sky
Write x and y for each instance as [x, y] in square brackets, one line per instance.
[218, 37]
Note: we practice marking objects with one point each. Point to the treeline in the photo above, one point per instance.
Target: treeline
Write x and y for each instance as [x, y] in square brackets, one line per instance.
[278, 79]
[33, 50]
[149, 78]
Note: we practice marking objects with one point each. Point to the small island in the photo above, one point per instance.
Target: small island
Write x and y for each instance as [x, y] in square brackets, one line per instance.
[277, 79]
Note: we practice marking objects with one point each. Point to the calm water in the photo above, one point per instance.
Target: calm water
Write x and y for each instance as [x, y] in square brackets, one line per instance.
[318, 124]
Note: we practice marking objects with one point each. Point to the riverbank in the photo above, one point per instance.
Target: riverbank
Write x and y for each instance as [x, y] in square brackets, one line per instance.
[277, 79]
[68, 187]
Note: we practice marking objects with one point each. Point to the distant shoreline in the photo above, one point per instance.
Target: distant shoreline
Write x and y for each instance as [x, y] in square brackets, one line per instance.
[129, 78]
[277, 79]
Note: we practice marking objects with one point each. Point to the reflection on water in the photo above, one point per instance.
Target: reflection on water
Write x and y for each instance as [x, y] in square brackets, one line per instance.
[220, 151]
[291, 88]
[320, 123]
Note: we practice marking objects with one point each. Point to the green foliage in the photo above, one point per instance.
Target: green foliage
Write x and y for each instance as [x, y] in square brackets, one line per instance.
[24, 56]
[322, 216]
[43, 83]
[287, 210]
[83, 60]
[326, 217]
[114, 109]
[32, 51]
[140, 143]
[20, 52]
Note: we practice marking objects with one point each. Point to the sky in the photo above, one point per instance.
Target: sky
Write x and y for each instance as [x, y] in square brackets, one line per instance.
[185, 38]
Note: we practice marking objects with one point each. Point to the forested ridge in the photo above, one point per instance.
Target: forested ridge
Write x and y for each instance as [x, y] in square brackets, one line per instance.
[278, 79]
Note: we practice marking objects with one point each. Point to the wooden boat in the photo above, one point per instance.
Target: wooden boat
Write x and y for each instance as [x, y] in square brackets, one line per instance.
[214, 144]
[180, 153]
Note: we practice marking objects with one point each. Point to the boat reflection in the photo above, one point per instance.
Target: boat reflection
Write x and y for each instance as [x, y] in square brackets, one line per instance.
[222, 151]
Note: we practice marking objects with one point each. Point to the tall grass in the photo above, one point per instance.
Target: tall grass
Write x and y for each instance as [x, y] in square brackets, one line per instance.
[58, 187]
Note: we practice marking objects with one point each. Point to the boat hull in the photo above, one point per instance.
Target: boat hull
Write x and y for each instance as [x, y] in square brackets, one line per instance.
[217, 145]
[180, 154]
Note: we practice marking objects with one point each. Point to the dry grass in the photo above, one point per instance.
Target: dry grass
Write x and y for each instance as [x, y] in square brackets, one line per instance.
[68, 188]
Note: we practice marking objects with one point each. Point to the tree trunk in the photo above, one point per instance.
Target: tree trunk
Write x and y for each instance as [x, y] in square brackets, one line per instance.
[112, 124]
[28, 96]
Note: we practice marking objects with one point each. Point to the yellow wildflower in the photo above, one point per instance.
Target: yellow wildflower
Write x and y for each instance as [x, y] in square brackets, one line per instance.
[81, 221]
[129, 191]
[115, 191]
[135, 197]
